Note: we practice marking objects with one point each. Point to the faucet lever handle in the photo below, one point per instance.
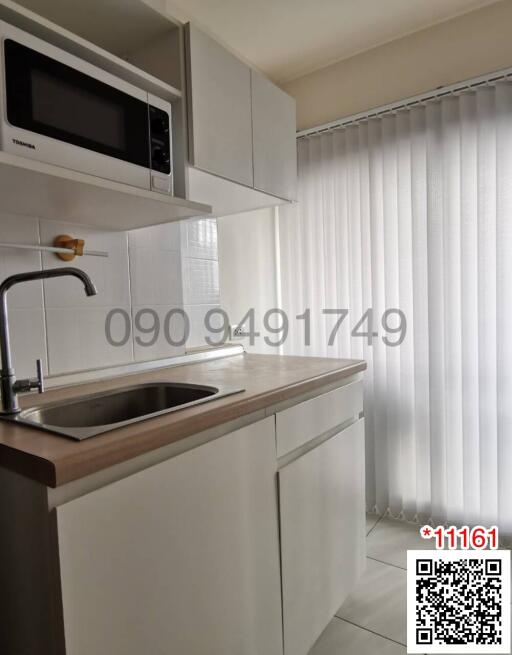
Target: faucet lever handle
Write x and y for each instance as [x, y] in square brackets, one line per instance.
[40, 376]
[22, 386]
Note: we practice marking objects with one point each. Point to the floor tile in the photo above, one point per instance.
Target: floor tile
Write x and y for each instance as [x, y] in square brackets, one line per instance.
[379, 602]
[390, 540]
[371, 522]
[342, 638]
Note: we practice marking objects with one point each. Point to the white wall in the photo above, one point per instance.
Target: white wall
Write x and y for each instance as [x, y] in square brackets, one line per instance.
[156, 268]
[248, 269]
[473, 44]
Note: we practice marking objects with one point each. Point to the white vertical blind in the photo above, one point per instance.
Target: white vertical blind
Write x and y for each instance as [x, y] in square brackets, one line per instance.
[413, 210]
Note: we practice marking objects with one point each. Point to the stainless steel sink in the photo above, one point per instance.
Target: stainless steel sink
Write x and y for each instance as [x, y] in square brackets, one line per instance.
[88, 416]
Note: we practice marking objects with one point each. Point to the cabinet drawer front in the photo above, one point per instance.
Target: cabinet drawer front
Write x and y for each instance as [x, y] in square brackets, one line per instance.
[297, 425]
[322, 511]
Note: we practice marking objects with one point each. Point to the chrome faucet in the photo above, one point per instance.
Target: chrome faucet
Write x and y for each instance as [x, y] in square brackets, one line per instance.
[9, 386]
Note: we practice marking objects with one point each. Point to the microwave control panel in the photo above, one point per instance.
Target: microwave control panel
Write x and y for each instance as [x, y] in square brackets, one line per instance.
[160, 140]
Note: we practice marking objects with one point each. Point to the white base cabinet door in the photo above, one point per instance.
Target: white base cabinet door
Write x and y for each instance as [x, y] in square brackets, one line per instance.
[179, 559]
[322, 511]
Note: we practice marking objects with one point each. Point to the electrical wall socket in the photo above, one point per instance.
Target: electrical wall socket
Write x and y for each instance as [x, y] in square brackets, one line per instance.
[238, 331]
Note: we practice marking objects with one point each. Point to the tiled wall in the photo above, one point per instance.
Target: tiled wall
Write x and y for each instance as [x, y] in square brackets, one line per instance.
[154, 269]
[156, 285]
[200, 276]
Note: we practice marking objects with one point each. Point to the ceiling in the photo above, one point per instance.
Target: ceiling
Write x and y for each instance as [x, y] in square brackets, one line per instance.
[289, 38]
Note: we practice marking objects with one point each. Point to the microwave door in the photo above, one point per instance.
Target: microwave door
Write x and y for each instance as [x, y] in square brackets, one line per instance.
[58, 114]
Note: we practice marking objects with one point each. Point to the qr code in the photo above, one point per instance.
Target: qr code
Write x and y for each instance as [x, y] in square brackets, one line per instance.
[458, 601]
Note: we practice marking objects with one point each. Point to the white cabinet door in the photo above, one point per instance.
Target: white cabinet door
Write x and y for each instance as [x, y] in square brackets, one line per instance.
[274, 143]
[180, 558]
[322, 534]
[219, 109]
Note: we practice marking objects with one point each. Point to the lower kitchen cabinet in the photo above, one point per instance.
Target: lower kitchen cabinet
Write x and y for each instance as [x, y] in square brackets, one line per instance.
[322, 512]
[230, 548]
[181, 558]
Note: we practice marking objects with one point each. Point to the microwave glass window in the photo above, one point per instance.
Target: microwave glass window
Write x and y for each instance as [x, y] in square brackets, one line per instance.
[74, 110]
[47, 97]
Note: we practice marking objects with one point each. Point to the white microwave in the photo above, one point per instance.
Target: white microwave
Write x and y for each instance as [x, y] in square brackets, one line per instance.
[59, 109]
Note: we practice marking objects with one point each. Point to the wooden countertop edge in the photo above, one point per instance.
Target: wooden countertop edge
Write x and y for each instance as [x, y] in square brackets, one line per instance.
[68, 469]
[29, 465]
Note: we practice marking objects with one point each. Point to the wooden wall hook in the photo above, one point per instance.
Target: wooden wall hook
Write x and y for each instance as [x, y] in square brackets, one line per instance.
[65, 241]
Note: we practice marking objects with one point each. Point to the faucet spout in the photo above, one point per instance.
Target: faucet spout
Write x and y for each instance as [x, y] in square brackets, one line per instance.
[7, 376]
[62, 271]
[89, 286]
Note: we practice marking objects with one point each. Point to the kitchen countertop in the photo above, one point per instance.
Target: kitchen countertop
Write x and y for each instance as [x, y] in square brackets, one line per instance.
[267, 380]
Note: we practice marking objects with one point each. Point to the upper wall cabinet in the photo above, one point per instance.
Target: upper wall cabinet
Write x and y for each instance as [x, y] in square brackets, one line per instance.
[233, 131]
[241, 131]
[219, 95]
[273, 130]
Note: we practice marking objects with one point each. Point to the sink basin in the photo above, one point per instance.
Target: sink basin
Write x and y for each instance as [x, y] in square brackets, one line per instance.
[88, 416]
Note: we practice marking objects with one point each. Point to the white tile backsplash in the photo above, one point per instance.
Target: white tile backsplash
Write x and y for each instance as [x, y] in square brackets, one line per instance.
[198, 328]
[158, 331]
[21, 230]
[158, 268]
[200, 268]
[199, 238]
[162, 237]
[155, 277]
[201, 282]
[28, 340]
[77, 340]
